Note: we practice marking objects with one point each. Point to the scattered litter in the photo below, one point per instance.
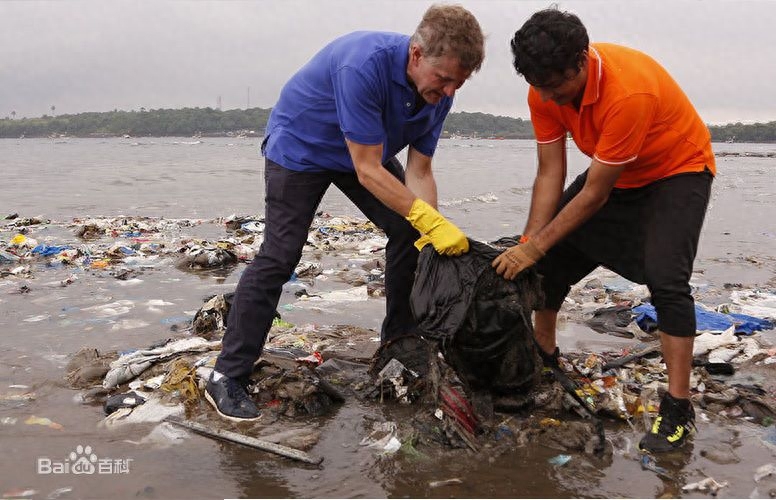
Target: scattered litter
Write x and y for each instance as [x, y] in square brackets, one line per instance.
[125, 400]
[444, 482]
[37, 318]
[152, 411]
[163, 436]
[613, 384]
[133, 364]
[764, 471]
[648, 463]
[559, 460]
[46, 422]
[706, 485]
[382, 437]
[59, 493]
[20, 493]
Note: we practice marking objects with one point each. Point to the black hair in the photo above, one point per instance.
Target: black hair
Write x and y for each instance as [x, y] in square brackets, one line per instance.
[549, 43]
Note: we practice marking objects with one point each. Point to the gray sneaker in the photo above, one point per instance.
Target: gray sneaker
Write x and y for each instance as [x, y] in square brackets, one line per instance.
[229, 398]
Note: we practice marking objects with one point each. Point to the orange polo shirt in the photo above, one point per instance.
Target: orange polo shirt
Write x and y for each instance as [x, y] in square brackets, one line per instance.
[634, 114]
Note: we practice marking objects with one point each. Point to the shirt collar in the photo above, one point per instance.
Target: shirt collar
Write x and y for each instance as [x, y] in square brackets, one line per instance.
[594, 72]
[400, 60]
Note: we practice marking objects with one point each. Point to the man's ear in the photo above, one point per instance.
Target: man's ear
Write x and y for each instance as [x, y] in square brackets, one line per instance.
[582, 59]
[415, 53]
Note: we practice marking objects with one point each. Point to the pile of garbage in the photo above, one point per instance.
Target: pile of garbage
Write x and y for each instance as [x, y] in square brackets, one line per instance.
[309, 370]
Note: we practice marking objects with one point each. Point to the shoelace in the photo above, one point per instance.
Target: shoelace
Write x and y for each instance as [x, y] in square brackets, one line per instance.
[236, 391]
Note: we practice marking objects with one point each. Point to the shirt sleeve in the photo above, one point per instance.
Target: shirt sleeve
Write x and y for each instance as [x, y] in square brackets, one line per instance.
[625, 127]
[546, 124]
[359, 102]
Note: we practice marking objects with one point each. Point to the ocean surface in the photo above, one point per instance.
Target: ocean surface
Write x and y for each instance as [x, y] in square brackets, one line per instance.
[484, 186]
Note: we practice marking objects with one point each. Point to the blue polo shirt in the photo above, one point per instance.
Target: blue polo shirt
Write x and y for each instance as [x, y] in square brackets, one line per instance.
[356, 88]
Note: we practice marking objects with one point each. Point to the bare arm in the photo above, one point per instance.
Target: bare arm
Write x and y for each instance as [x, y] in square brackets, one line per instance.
[413, 202]
[548, 186]
[377, 180]
[600, 181]
[419, 177]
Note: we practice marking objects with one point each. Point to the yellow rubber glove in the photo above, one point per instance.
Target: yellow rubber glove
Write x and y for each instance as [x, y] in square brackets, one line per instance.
[422, 241]
[516, 259]
[444, 235]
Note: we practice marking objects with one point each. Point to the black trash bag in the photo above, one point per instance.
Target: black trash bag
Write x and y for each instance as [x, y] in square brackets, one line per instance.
[481, 321]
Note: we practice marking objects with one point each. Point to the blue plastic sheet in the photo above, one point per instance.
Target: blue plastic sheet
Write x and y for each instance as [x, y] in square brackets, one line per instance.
[47, 250]
[707, 321]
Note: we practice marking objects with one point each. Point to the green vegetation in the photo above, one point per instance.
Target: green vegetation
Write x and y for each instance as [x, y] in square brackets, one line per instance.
[490, 126]
[212, 122]
[155, 122]
[738, 132]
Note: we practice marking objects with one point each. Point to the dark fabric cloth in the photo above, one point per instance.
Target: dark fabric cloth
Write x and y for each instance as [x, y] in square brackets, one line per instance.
[291, 201]
[481, 321]
[648, 235]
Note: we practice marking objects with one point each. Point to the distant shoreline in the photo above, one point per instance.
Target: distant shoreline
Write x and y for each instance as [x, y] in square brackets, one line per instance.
[750, 154]
[209, 122]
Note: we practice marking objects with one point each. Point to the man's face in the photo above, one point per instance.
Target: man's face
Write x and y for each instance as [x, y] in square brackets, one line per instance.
[563, 88]
[435, 78]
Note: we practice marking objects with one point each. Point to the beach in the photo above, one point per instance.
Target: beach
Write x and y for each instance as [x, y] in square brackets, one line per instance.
[154, 200]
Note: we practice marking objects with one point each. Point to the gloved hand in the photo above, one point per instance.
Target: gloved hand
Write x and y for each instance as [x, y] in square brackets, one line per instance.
[516, 259]
[422, 241]
[444, 235]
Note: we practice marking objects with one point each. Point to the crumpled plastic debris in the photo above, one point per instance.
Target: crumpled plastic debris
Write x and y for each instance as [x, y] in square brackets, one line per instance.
[152, 411]
[123, 400]
[383, 438]
[44, 421]
[134, 363]
[709, 484]
[764, 471]
[181, 379]
[399, 377]
[559, 460]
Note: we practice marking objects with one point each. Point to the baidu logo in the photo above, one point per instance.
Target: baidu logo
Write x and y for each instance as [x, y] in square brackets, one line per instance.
[83, 460]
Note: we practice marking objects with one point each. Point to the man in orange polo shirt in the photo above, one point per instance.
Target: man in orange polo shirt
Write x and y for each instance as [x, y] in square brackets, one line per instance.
[637, 210]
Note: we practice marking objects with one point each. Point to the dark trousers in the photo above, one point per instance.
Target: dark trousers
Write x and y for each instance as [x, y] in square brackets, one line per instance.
[291, 201]
[647, 235]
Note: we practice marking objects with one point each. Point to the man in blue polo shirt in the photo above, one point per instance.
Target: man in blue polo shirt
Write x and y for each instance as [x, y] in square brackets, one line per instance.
[341, 120]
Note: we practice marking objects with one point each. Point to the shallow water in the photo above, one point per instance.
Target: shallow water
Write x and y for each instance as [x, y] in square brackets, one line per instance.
[484, 186]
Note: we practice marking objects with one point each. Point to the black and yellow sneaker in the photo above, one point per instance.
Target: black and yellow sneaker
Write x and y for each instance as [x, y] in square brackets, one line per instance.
[549, 360]
[672, 426]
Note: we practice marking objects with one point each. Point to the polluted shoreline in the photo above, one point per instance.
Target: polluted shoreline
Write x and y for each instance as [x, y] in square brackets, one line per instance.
[313, 369]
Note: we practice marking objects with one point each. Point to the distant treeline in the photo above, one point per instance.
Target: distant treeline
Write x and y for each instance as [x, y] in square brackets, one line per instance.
[213, 122]
[153, 122]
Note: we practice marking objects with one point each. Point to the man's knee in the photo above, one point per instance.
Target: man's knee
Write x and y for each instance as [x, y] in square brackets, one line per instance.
[675, 312]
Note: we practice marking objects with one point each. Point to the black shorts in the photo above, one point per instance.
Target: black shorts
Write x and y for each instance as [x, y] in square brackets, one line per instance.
[648, 235]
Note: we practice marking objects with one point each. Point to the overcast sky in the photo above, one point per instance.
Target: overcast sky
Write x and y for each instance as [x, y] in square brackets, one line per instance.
[104, 55]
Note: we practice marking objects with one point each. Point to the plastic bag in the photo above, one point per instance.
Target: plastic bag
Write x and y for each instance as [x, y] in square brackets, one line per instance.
[481, 320]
